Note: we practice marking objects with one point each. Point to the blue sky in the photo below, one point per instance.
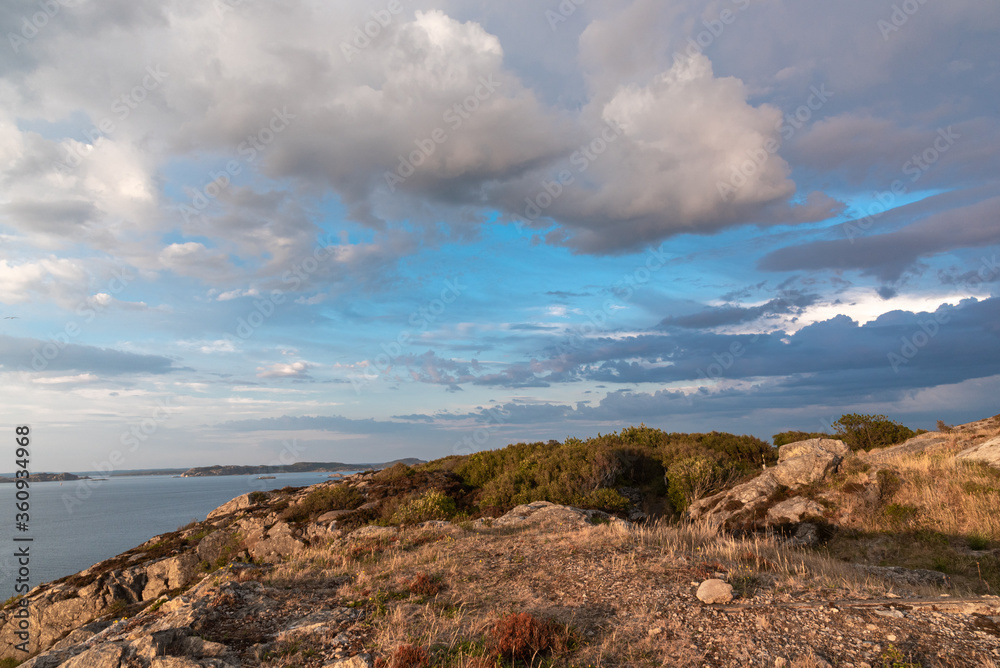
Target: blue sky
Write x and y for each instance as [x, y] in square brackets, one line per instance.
[236, 232]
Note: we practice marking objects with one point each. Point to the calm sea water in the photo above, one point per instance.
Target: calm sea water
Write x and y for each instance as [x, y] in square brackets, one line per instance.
[119, 514]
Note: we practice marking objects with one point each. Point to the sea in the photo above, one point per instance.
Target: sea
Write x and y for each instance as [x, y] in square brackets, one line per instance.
[75, 524]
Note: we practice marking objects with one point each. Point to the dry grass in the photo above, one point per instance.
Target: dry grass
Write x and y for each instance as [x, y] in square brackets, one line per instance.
[570, 581]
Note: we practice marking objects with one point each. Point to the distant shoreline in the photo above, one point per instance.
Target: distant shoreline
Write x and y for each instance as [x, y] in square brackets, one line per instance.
[47, 477]
[228, 470]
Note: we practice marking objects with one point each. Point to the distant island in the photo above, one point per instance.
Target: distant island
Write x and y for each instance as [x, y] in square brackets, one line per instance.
[206, 471]
[48, 477]
[298, 467]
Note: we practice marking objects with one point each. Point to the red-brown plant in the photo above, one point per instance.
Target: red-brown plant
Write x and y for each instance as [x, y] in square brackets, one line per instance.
[522, 636]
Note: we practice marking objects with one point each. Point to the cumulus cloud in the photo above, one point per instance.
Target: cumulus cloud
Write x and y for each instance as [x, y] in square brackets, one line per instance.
[61, 280]
[667, 161]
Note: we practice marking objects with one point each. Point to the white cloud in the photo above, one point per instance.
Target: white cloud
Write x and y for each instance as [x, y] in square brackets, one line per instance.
[279, 370]
[61, 280]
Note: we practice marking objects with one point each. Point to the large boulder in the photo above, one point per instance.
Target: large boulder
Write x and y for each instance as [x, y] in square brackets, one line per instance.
[986, 453]
[809, 461]
[745, 505]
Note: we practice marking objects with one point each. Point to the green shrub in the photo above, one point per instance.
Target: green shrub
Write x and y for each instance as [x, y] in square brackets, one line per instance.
[900, 514]
[570, 472]
[786, 437]
[605, 499]
[258, 497]
[865, 432]
[395, 472]
[324, 499]
[433, 505]
[973, 487]
[691, 478]
[889, 483]
[9, 662]
[978, 541]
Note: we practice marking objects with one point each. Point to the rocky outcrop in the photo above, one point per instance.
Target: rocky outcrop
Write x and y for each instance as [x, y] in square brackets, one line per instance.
[918, 445]
[545, 513]
[746, 505]
[986, 453]
[794, 510]
[172, 573]
[278, 543]
[809, 461]
[242, 502]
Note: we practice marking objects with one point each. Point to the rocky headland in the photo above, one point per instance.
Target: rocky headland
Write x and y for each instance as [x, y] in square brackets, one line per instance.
[298, 467]
[827, 557]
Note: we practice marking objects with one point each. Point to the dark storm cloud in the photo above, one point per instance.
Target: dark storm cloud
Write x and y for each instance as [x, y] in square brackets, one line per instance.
[733, 315]
[887, 256]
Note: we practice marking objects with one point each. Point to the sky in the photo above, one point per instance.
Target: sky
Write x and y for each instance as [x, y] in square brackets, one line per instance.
[250, 232]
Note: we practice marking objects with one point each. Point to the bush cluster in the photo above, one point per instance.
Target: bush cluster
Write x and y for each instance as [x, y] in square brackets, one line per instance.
[865, 432]
[588, 473]
[324, 499]
[432, 505]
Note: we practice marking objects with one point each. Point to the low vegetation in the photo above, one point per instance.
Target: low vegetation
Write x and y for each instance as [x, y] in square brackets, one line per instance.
[922, 511]
[865, 432]
[323, 500]
[591, 473]
[786, 437]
